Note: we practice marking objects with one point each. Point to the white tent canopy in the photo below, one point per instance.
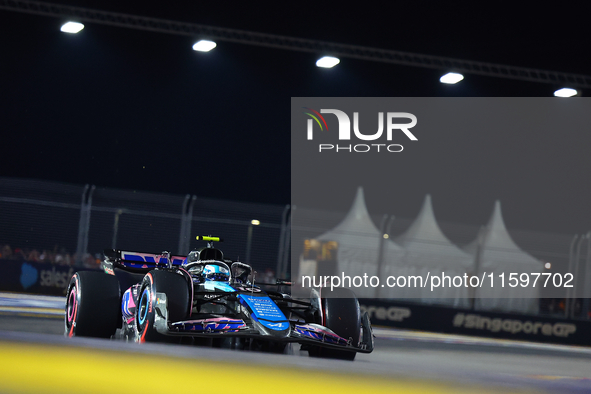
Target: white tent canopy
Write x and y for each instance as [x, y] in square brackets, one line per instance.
[423, 248]
[495, 252]
[359, 241]
[428, 250]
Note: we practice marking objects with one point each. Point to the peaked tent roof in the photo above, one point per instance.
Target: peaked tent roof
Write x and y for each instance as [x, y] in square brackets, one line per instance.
[495, 234]
[359, 242]
[356, 221]
[500, 254]
[428, 250]
[497, 244]
[425, 238]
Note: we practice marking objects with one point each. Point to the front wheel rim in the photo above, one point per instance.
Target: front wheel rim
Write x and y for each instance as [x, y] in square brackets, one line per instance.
[143, 308]
[71, 306]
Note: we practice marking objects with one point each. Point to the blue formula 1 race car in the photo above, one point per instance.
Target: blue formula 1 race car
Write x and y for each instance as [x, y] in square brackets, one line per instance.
[206, 299]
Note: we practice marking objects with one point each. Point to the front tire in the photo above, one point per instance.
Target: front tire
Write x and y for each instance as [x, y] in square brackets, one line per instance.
[93, 305]
[340, 313]
[175, 287]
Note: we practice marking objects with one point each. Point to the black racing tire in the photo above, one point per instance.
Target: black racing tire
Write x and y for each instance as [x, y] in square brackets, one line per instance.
[93, 305]
[176, 288]
[340, 313]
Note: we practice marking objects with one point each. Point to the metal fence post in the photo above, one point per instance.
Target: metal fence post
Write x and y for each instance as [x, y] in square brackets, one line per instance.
[282, 240]
[381, 242]
[586, 287]
[286, 249]
[248, 243]
[569, 291]
[116, 228]
[182, 233]
[477, 262]
[189, 226]
[186, 221]
[84, 224]
[183, 229]
[81, 228]
[576, 277]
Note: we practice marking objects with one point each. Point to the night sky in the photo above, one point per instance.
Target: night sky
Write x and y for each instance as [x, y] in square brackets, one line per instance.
[139, 110]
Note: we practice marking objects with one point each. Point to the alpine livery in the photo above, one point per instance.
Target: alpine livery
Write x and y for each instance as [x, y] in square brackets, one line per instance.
[205, 299]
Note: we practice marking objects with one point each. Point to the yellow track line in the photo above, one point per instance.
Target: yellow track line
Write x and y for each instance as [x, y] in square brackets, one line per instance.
[37, 315]
[20, 309]
[28, 368]
[31, 296]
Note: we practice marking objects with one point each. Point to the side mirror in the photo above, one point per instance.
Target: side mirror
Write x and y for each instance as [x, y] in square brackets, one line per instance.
[240, 272]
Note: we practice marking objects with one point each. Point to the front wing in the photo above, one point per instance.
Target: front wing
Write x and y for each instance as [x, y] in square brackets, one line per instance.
[222, 327]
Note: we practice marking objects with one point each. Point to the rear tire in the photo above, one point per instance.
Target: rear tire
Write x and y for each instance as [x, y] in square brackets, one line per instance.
[343, 316]
[93, 305]
[176, 288]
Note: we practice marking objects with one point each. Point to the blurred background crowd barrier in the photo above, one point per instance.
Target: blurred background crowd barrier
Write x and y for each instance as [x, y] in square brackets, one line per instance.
[49, 230]
[62, 226]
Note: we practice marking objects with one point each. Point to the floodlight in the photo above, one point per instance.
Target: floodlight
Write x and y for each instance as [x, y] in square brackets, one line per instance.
[451, 78]
[204, 46]
[255, 222]
[72, 27]
[327, 62]
[565, 92]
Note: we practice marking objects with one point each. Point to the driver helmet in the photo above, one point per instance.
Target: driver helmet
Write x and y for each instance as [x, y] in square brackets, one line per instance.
[215, 272]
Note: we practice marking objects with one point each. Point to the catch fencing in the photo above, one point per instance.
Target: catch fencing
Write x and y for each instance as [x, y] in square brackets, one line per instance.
[76, 221]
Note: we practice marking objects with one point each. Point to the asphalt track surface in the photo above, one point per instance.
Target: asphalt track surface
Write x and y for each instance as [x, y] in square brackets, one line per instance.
[35, 357]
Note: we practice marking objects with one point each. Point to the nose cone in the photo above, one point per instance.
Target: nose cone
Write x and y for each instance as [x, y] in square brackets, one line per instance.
[266, 315]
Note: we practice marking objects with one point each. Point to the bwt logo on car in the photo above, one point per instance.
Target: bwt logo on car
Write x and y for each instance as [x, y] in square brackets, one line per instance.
[345, 130]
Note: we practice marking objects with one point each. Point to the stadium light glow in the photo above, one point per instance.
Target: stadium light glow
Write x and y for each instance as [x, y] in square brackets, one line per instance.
[255, 222]
[204, 46]
[451, 78]
[327, 62]
[386, 236]
[565, 92]
[72, 27]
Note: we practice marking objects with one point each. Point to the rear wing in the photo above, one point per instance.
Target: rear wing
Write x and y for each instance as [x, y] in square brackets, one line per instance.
[138, 262]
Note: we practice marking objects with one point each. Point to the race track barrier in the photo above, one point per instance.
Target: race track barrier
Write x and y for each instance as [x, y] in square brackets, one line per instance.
[477, 323]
